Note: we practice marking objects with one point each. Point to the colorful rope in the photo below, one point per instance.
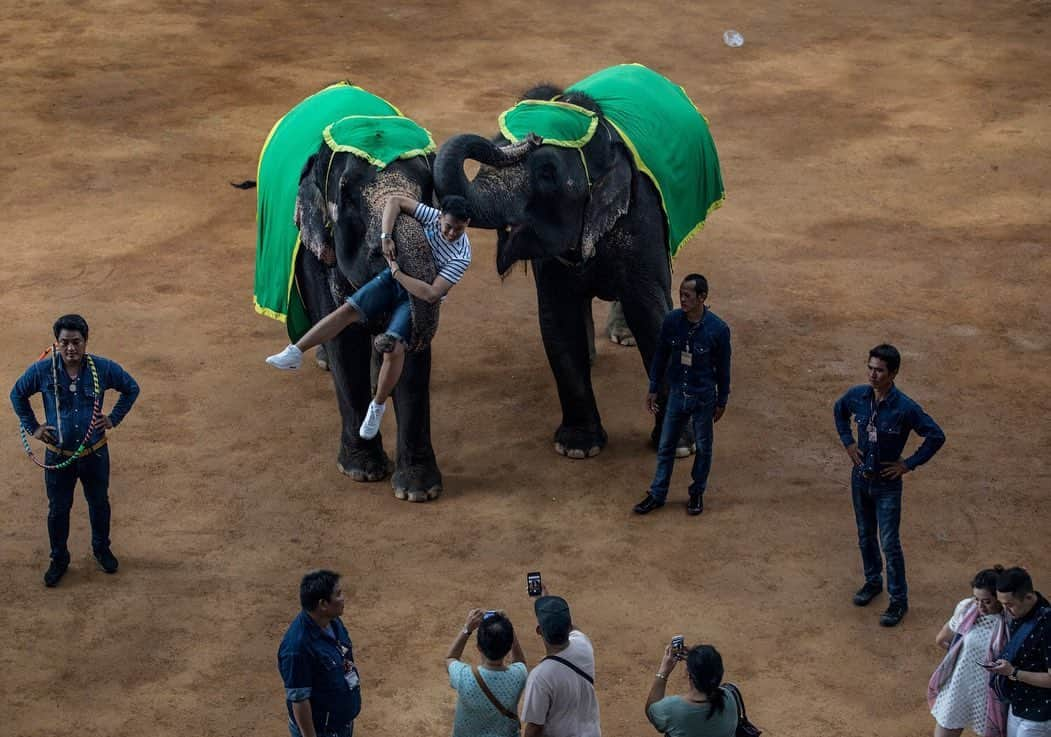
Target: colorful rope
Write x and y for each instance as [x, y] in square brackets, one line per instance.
[96, 414]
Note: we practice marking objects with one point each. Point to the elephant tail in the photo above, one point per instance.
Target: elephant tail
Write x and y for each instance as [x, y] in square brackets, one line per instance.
[246, 184]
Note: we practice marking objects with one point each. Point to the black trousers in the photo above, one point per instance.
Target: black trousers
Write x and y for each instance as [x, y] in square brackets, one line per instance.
[93, 473]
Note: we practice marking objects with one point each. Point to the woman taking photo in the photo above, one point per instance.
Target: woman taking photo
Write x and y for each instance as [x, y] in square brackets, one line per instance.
[959, 693]
[705, 709]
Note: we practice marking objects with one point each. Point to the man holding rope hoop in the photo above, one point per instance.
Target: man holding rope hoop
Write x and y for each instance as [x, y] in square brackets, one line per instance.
[72, 384]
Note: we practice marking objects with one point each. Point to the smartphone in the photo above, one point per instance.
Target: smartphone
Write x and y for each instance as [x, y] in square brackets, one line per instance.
[985, 665]
[489, 614]
[533, 585]
[678, 646]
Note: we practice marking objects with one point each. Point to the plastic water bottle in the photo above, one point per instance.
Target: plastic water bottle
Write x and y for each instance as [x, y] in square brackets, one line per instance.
[733, 39]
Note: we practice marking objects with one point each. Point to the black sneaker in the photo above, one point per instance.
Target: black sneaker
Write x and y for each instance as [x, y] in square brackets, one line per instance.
[867, 593]
[54, 574]
[894, 614]
[695, 506]
[647, 505]
[107, 560]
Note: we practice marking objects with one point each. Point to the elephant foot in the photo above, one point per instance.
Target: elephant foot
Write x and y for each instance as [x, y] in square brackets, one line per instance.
[422, 483]
[617, 327]
[365, 464]
[321, 358]
[685, 447]
[577, 444]
[684, 450]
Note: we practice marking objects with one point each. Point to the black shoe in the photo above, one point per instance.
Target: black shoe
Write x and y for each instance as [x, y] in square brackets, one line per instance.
[647, 505]
[54, 574]
[695, 506]
[894, 614]
[867, 593]
[107, 560]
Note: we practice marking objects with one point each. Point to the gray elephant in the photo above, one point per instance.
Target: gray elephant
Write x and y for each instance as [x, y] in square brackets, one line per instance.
[335, 199]
[626, 174]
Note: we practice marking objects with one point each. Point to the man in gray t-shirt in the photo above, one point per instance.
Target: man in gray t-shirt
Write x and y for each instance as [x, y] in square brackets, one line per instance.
[559, 698]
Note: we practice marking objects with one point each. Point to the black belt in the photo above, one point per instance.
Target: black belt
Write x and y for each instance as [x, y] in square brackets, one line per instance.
[87, 451]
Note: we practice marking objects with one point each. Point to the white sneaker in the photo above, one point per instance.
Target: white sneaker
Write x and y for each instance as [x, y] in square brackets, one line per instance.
[371, 425]
[290, 358]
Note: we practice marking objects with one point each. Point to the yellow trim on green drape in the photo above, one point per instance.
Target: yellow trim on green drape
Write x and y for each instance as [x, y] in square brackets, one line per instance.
[577, 143]
[267, 312]
[378, 163]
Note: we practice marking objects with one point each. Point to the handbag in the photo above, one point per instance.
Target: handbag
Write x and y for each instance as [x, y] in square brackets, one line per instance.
[744, 727]
[489, 695]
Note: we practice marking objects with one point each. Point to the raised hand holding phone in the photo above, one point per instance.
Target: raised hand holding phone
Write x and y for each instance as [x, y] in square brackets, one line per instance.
[534, 586]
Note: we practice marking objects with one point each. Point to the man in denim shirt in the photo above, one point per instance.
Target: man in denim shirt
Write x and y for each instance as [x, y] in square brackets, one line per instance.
[885, 417]
[693, 357]
[68, 388]
[316, 660]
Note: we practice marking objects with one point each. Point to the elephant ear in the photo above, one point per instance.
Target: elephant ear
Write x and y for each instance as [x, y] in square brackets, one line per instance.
[610, 198]
[310, 217]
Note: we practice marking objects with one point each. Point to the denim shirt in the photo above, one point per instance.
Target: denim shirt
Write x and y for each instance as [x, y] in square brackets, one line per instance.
[318, 665]
[75, 406]
[707, 341]
[895, 417]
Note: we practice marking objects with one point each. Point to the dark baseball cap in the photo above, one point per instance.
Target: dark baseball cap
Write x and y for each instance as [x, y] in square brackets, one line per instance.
[552, 614]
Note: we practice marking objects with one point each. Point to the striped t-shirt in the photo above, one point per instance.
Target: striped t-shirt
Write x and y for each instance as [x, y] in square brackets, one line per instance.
[450, 259]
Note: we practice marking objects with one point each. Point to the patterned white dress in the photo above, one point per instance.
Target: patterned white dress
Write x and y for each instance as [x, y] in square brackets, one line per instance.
[962, 702]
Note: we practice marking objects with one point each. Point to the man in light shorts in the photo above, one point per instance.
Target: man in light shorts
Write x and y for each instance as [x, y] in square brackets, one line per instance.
[446, 234]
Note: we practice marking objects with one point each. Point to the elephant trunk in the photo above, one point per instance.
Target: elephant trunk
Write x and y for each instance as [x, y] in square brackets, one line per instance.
[450, 178]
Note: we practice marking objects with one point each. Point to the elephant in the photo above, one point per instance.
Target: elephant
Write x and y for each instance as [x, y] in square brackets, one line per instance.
[592, 225]
[338, 208]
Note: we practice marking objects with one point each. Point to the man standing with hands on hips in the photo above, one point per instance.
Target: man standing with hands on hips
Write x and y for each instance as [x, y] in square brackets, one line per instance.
[884, 418]
[72, 384]
[693, 356]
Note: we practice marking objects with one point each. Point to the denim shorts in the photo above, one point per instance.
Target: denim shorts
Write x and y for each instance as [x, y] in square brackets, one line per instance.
[381, 296]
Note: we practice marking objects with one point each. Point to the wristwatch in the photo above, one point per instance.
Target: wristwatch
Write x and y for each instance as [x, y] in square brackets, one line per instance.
[465, 631]
[1014, 675]
[385, 237]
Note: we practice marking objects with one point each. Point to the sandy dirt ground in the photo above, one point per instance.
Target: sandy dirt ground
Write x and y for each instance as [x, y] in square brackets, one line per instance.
[887, 172]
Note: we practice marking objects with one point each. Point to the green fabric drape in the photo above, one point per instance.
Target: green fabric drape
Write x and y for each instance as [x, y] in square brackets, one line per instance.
[669, 139]
[558, 123]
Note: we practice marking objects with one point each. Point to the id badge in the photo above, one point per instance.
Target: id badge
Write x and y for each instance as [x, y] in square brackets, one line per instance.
[872, 433]
[686, 358]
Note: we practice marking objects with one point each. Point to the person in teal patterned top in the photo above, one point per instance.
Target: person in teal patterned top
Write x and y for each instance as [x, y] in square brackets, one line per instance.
[476, 713]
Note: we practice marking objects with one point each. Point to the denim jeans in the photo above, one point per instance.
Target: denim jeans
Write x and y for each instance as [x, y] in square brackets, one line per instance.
[681, 408]
[877, 512]
[295, 731]
[385, 295]
[93, 473]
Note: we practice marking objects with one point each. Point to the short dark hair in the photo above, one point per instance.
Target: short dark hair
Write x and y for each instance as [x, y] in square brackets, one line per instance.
[986, 579]
[557, 633]
[71, 322]
[704, 665]
[317, 586]
[888, 354]
[700, 284]
[1015, 581]
[457, 207]
[496, 634]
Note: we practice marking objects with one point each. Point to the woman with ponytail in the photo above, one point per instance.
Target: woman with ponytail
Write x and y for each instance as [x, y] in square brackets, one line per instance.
[705, 708]
[958, 693]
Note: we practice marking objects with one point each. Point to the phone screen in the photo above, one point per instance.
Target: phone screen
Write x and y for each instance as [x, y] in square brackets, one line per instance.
[533, 585]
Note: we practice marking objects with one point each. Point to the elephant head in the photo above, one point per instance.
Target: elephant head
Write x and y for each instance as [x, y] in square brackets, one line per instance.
[339, 208]
[545, 201]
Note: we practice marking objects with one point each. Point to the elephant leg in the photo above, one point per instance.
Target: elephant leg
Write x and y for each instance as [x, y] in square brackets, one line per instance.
[320, 358]
[617, 326]
[416, 475]
[563, 312]
[592, 352]
[348, 357]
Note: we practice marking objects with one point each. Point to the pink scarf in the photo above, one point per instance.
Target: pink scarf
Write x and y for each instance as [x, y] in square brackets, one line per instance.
[995, 713]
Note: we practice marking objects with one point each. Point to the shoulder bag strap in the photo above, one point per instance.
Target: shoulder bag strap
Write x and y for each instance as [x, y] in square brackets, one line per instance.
[736, 693]
[566, 663]
[489, 695]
